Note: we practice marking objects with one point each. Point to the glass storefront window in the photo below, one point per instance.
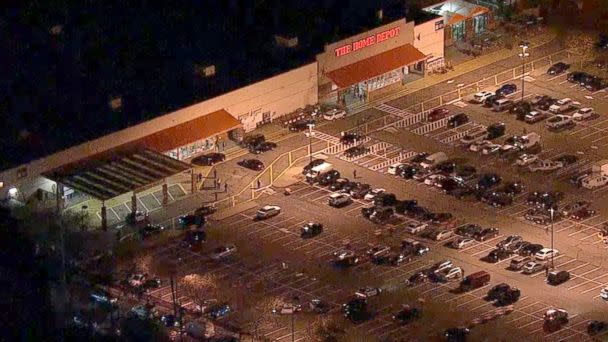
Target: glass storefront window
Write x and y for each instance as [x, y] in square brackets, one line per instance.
[384, 80]
[192, 149]
[479, 23]
[458, 31]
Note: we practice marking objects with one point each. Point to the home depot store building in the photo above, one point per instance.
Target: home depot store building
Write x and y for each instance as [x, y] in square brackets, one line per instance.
[385, 59]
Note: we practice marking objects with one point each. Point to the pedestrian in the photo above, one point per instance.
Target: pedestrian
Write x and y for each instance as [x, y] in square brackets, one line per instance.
[214, 173]
[218, 184]
[226, 187]
[355, 174]
[546, 272]
[259, 183]
[200, 177]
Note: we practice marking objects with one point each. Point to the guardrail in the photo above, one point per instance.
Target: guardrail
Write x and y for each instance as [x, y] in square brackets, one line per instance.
[435, 125]
[401, 157]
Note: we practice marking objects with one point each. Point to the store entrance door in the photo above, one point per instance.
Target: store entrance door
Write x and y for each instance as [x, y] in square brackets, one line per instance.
[355, 94]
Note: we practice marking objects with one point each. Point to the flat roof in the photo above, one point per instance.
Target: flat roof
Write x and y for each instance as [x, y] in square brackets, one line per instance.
[65, 64]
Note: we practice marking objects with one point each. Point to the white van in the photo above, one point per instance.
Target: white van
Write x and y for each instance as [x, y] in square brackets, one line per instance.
[502, 104]
[481, 96]
[433, 160]
[594, 181]
[473, 137]
[334, 114]
[527, 141]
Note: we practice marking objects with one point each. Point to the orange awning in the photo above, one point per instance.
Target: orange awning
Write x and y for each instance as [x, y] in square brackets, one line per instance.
[456, 18]
[478, 10]
[375, 66]
[188, 132]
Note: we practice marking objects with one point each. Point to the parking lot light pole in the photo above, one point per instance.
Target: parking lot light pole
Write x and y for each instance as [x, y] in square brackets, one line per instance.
[310, 127]
[524, 48]
[552, 254]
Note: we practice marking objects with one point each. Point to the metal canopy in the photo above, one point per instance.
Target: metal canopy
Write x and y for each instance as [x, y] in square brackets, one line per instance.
[118, 174]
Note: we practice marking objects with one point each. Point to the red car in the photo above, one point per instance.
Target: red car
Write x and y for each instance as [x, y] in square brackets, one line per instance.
[582, 214]
[438, 114]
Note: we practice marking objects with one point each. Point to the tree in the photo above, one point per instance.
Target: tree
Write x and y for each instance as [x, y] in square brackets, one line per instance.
[134, 329]
[200, 287]
[325, 329]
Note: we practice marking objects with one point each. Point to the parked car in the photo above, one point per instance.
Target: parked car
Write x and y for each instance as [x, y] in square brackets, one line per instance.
[481, 96]
[461, 243]
[205, 210]
[584, 114]
[151, 230]
[517, 263]
[533, 267]
[268, 211]
[486, 234]
[368, 291]
[456, 334]
[497, 255]
[558, 68]
[312, 164]
[372, 194]
[346, 258]
[339, 200]
[566, 159]
[209, 159]
[252, 164]
[300, 125]
[563, 105]
[576, 76]
[458, 120]
[334, 114]
[338, 184]
[531, 249]
[596, 84]
[488, 181]
[473, 137]
[356, 151]
[438, 114]
[350, 138]
[546, 253]
[222, 252]
[218, 311]
[559, 122]
[408, 171]
[582, 214]
[597, 327]
[413, 247]
[512, 188]
[407, 314]
[496, 130]
[360, 191]
[535, 116]
[262, 147]
[489, 102]
[468, 230]
[558, 277]
[475, 281]
[509, 241]
[356, 310]
[192, 221]
[103, 297]
[555, 319]
[506, 89]
[252, 140]
[521, 109]
[545, 165]
[573, 207]
[526, 159]
[508, 297]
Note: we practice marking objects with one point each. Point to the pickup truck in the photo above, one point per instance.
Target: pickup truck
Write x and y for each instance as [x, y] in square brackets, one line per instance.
[559, 121]
[564, 105]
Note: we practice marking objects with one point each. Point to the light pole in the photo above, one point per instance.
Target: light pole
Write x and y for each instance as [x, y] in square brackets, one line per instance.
[552, 253]
[310, 125]
[523, 54]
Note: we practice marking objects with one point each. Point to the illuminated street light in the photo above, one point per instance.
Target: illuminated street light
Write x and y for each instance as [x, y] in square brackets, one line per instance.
[523, 54]
[12, 192]
[552, 253]
[310, 125]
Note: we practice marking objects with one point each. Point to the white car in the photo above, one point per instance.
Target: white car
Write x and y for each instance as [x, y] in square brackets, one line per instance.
[546, 253]
[432, 179]
[461, 243]
[473, 137]
[491, 149]
[604, 293]
[526, 159]
[453, 273]
[545, 165]
[137, 280]
[223, 251]
[334, 114]
[481, 96]
[392, 170]
[444, 234]
[372, 194]
[415, 228]
[559, 121]
[268, 211]
[583, 114]
[441, 265]
[368, 291]
[594, 181]
[287, 309]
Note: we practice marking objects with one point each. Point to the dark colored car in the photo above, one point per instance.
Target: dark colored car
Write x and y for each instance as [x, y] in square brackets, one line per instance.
[512, 188]
[262, 147]
[558, 277]
[488, 181]
[300, 125]
[506, 89]
[408, 171]
[496, 130]
[218, 311]
[407, 314]
[497, 255]
[328, 177]
[338, 184]
[356, 151]
[350, 138]
[150, 230]
[404, 206]
[205, 210]
[465, 172]
[311, 229]
[546, 102]
[567, 159]
[468, 230]
[576, 76]
[209, 159]
[558, 68]
[360, 191]
[497, 291]
[313, 163]
[449, 184]
[351, 185]
[582, 214]
[531, 249]
[456, 334]
[252, 164]
[597, 327]
[458, 120]
[440, 218]
[419, 158]
[438, 114]
[385, 199]
[546, 199]
[250, 141]
[596, 84]
[356, 310]
[417, 278]
[413, 247]
[489, 102]
[508, 297]
[486, 234]
[196, 221]
[462, 191]
[418, 212]
[194, 239]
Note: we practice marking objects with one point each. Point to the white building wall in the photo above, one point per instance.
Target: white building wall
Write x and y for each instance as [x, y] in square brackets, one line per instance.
[428, 39]
[277, 95]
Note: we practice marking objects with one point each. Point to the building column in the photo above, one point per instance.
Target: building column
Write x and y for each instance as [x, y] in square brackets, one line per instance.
[104, 216]
[134, 202]
[59, 197]
[165, 193]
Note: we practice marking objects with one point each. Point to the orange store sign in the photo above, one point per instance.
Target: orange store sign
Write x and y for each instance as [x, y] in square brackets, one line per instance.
[367, 41]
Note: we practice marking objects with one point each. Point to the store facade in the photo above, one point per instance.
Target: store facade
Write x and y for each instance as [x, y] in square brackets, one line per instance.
[363, 67]
[463, 20]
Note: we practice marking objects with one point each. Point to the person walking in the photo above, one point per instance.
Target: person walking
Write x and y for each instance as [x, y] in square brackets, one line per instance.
[226, 187]
[259, 183]
[546, 272]
[354, 174]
